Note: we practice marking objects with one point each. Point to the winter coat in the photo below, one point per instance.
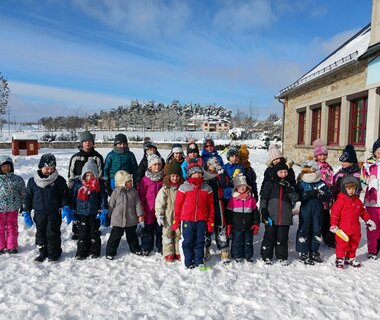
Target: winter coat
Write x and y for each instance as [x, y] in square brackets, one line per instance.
[12, 188]
[345, 213]
[213, 180]
[327, 174]
[354, 170]
[96, 200]
[207, 155]
[251, 180]
[143, 166]
[194, 203]
[164, 205]
[148, 190]
[278, 197]
[244, 213]
[46, 194]
[125, 207]
[120, 160]
[370, 179]
[231, 169]
[269, 173]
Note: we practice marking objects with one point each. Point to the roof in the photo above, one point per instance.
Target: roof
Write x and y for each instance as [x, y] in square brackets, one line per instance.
[24, 136]
[347, 53]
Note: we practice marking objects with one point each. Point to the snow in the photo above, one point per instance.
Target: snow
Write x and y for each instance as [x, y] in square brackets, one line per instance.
[146, 287]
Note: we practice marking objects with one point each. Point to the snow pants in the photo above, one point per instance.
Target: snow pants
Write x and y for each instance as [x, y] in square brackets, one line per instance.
[48, 233]
[151, 231]
[193, 242]
[373, 237]
[88, 236]
[115, 237]
[242, 244]
[347, 249]
[8, 230]
[275, 239]
[170, 240]
[327, 236]
[309, 229]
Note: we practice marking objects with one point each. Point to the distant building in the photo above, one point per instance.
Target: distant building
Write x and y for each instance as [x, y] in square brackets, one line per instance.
[24, 144]
[216, 125]
[338, 100]
[194, 123]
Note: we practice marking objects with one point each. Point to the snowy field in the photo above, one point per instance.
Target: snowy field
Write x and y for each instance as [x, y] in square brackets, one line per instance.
[132, 287]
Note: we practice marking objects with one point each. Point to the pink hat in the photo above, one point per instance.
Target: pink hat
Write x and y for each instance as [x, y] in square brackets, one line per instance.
[274, 152]
[319, 148]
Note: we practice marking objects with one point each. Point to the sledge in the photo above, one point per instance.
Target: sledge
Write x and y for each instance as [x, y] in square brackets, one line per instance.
[341, 234]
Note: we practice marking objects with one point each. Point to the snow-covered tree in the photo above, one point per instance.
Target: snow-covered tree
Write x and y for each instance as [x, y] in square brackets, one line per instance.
[4, 94]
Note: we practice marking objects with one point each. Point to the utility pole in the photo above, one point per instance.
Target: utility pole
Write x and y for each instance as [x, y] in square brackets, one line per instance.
[9, 121]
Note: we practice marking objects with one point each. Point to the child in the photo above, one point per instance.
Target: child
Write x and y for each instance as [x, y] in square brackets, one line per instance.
[327, 175]
[370, 177]
[313, 192]
[165, 211]
[90, 198]
[249, 172]
[194, 207]
[192, 153]
[277, 199]
[120, 158]
[175, 155]
[46, 193]
[345, 214]
[350, 166]
[245, 220]
[212, 178]
[148, 188]
[126, 211]
[209, 151]
[12, 191]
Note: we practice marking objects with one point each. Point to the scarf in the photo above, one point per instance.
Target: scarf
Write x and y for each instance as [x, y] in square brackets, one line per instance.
[42, 181]
[87, 187]
[154, 176]
[242, 196]
[195, 181]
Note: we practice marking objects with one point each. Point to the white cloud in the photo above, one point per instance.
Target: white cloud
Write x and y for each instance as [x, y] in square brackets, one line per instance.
[327, 46]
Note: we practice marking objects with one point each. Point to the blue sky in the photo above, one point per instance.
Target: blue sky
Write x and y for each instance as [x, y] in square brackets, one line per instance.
[80, 56]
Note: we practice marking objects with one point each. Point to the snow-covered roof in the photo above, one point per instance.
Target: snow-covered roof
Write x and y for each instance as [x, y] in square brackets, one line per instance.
[348, 52]
[24, 136]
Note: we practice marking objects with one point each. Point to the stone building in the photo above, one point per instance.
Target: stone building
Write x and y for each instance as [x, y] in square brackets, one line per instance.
[338, 100]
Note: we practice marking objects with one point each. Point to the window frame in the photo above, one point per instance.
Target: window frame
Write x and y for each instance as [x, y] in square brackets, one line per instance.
[316, 120]
[301, 127]
[334, 113]
[362, 120]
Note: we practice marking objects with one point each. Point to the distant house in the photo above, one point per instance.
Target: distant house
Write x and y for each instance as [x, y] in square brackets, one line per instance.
[194, 123]
[24, 144]
[216, 125]
[338, 100]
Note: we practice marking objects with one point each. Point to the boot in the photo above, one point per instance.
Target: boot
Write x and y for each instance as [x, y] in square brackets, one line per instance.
[316, 257]
[43, 254]
[354, 263]
[339, 263]
[225, 256]
[207, 254]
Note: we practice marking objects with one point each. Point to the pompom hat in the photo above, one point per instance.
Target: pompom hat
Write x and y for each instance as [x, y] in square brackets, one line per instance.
[243, 152]
[194, 167]
[120, 138]
[349, 154]
[153, 159]
[319, 148]
[274, 153]
[47, 160]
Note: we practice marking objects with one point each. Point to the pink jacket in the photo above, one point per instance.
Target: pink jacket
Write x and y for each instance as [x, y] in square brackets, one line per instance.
[327, 174]
[370, 179]
[148, 190]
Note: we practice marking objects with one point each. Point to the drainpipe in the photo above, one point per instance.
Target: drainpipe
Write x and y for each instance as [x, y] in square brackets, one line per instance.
[282, 101]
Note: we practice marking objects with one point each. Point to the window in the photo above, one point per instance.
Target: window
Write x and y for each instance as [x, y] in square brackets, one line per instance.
[301, 127]
[316, 124]
[358, 121]
[334, 125]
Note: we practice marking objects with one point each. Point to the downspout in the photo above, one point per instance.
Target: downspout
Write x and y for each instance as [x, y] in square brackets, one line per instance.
[283, 102]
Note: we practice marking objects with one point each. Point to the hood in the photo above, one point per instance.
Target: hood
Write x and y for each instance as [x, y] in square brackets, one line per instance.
[7, 159]
[348, 179]
[90, 166]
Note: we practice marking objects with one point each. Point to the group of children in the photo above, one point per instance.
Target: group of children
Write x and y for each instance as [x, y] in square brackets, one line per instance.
[178, 204]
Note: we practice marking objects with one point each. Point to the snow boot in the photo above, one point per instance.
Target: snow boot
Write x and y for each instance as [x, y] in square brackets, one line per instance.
[303, 257]
[178, 257]
[3, 251]
[372, 256]
[316, 257]
[43, 254]
[225, 257]
[283, 262]
[12, 251]
[354, 263]
[339, 263]
[169, 258]
[268, 262]
[207, 254]
[109, 257]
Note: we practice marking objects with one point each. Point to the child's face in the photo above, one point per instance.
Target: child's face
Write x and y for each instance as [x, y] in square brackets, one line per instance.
[196, 175]
[241, 189]
[193, 155]
[350, 191]
[156, 167]
[47, 171]
[275, 161]
[234, 158]
[175, 178]
[87, 145]
[377, 154]
[346, 164]
[129, 184]
[121, 145]
[282, 174]
[209, 147]
[211, 168]
[5, 168]
[150, 151]
[321, 157]
[177, 155]
[89, 176]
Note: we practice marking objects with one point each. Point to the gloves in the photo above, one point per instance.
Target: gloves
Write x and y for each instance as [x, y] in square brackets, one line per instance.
[255, 228]
[229, 229]
[371, 225]
[160, 220]
[372, 183]
[270, 222]
[311, 194]
[102, 216]
[175, 225]
[140, 229]
[67, 213]
[334, 229]
[285, 184]
[210, 227]
[264, 215]
[27, 219]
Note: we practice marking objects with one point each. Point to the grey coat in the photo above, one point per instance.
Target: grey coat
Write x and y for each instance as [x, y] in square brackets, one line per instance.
[125, 207]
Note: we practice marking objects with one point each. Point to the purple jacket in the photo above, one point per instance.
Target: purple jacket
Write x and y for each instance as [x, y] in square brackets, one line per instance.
[354, 170]
[148, 190]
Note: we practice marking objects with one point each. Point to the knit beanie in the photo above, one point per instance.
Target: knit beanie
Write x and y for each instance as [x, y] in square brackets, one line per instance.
[174, 168]
[310, 163]
[120, 138]
[208, 141]
[232, 152]
[240, 180]
[149, 144]
[243, 152]
[47, 160]
[280, 166]
[376, 145]
[319, 148]
[213, 161]
[177, 148]
[192, 147]
[274, 153]
[349, 154]
[194, 167]
[90, 166]
[86, 135]
[121, 177]
[153, 159]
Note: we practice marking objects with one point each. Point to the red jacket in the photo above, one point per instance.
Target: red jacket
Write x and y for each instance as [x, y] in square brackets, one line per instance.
[345, 214]
[194, 203]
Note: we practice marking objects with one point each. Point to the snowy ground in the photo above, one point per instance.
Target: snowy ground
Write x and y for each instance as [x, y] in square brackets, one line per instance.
[147, 288]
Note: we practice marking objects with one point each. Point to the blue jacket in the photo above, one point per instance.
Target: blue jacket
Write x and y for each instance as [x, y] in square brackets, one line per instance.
[120, 160]
[229, 170]
[207, 155]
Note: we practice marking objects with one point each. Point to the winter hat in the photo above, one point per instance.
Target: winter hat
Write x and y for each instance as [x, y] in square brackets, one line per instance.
[47, 160]
[174, 168]
[274, 153]
[349, 154]
[121, 177]
[90, 166]
[349, 180]
[153, 159]
[213, 161]
[149, 144]
[243, 152]
[6, 160]
[193, 167]
[319, 148]
[192, 147]
[177, 148]
[86, 135]
[208, 141]
[120, 138]
[240, 180]
[280, 166]
[310, 163]
[232, 152]
[376, 145]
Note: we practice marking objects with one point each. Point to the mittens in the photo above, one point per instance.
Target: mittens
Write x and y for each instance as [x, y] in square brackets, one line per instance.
[160, 220]
[255, 228]
[102, 216]
[174, 225]
[140, 229]
[68, 214]
[371, 225]
[27, 219]
[210, 227]
[334, 229]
